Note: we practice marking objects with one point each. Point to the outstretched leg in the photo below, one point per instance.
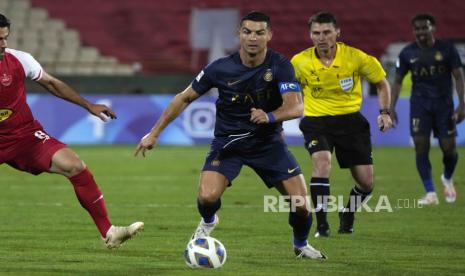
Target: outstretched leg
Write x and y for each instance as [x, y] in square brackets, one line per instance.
[67, 163]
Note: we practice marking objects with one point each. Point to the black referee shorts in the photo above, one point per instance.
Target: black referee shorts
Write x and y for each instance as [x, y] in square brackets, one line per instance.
[349, 135]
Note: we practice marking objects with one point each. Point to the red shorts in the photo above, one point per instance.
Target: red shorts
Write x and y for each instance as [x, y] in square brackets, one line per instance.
[31, 151]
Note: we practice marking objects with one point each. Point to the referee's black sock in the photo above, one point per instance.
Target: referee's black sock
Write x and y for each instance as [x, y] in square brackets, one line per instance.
[319, 190]
[356, 198]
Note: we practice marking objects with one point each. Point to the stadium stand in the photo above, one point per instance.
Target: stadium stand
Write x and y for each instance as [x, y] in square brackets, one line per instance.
[58, 48]
[156, 33]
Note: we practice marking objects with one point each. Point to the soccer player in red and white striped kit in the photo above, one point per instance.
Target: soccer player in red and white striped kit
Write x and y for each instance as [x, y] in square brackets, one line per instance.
[26, 146]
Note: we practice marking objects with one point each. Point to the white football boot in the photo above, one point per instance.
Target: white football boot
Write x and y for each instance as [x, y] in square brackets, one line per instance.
[116, 235]
[308, 252]
[430, 198]
[204, 229]
[449, 189]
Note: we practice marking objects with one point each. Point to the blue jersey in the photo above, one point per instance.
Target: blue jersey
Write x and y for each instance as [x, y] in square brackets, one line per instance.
[431, 68]
[242, 88]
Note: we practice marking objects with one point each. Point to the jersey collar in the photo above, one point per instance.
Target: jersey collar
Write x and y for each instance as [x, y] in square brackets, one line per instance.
[336, 61]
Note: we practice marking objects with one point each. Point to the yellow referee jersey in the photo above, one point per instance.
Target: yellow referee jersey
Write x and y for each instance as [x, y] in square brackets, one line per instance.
[337, 89]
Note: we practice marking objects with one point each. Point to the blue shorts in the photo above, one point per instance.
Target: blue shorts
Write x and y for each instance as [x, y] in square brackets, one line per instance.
[432, 114]
[268, 156]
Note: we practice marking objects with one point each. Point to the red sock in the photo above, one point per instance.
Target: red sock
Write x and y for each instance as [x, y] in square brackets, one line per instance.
[91, 199]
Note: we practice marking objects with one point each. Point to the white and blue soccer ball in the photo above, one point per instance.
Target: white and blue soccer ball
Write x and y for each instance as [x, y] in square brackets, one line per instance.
[205, 252]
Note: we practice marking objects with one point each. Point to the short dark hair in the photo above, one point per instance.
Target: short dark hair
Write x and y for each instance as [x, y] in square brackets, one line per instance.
[423, 16]
[257, 17]
[4, 22]
[322, 17]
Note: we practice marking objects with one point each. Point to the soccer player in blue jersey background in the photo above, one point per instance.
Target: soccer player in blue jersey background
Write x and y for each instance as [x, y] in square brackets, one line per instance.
[432, 62]
[257, 91]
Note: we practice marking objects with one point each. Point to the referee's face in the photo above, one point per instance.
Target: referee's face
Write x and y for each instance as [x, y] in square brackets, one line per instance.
[324, 36]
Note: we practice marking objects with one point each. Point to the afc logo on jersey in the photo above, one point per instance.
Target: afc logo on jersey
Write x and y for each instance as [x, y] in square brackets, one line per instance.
[6, 80]
[289, 87]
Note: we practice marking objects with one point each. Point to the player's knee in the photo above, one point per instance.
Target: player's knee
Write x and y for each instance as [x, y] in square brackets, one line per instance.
[449, 150]
[322, 168]
[367, 184]
[74, 167]
[302, 211]
[208, 197]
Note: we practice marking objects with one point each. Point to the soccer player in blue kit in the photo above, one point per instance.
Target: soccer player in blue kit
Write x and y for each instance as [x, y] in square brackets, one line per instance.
[432, 62]
[257, 91]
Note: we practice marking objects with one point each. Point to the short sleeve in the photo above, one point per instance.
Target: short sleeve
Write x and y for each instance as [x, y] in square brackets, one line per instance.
[32, 68]
[203, 82]
[454, 61]
[371, 69]
[402, 66]
[294, 62]
[285, 75]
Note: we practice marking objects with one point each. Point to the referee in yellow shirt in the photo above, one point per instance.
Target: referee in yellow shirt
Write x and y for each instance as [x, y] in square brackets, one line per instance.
[330, 75]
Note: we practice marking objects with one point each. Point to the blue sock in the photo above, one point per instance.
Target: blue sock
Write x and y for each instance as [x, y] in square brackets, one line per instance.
[449, 161]
[424, 169]
[429, 185]
[300, 243]
[207, 211]
[300, 227]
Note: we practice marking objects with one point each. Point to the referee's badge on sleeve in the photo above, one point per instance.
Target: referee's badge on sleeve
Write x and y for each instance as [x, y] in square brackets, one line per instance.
[347, 84]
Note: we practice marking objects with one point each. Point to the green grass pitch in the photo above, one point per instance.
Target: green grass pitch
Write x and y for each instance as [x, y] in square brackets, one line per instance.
[44, 231]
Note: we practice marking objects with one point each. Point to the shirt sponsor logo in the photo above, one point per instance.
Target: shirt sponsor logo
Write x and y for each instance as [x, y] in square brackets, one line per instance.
[289, 87]
[5, 114]
[346, 84]
[6, 80]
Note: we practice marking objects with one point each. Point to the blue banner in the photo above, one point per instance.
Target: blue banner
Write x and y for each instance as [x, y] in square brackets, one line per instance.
[137, 113]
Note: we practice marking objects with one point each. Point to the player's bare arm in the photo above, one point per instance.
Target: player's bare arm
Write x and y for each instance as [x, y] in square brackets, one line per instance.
[62, 90]
[291, 108]
[384, 99]
[459, 113]
[175, 107]
[395, 92]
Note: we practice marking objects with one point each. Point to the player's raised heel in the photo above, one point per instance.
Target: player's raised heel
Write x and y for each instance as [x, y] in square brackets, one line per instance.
[204, 229]
[449, 190]
[308, 252]
[117, 235]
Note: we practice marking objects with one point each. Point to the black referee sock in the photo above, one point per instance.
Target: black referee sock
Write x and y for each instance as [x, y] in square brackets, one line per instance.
[356, 199]
[319, 190]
